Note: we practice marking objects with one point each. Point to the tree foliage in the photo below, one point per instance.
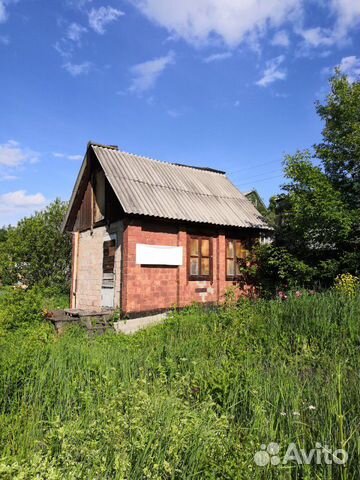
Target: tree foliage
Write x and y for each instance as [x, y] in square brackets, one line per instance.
[339, 150]
[317, 217]
[36, 251]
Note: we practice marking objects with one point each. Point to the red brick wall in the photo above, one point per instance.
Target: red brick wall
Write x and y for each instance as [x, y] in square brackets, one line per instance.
[148, 288]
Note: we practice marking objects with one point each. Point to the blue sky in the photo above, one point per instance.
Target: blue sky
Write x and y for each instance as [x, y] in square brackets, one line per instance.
[229, 84]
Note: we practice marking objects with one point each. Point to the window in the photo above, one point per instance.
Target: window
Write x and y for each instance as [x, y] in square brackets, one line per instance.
[235, 252]
[199, 257]
[109, 250]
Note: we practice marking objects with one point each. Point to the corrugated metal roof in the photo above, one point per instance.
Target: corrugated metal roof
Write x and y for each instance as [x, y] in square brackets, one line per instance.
[149, 187]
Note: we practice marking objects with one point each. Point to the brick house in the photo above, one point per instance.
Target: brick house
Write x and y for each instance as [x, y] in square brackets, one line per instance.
[149, 235]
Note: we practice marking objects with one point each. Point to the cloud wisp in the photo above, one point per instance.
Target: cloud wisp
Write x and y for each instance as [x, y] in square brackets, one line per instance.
[76, 158]
[217, 57]
[3, 12]
[13, 155]
[77, 69]
[350, 66]
[272, 72]
[75, 32]
[146, 74]
[281, 39]
[99, 18]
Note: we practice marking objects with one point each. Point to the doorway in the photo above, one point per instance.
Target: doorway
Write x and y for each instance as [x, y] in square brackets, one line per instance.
[108, 271]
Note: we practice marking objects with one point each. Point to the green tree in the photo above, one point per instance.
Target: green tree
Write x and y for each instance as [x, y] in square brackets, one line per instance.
[317, 217]
[339, 150]
[318, 221]
[36, 251]
[3, 234]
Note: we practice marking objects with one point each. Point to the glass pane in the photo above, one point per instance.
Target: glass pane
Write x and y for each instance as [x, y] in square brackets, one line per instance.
[230, 267]
[194, 247]
[205, 248]
[237, 268]
[239, 249]
[230, 249]
[205, 266]
[194, 266]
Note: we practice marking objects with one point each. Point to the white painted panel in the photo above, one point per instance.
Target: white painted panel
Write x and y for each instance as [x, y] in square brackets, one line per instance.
[107, 297]
[158, 255]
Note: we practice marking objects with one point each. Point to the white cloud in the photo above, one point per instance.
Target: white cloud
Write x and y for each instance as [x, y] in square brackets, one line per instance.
[76, 158]
[281, 39]
[233, 21]
[75, 31]
[64, 48]
[12, 155]
[20, 199]
[8, 178]
[78, 3]
[317, 37]
[202, 22]
[68, 157]
[146, 74]
[216, 57]
[350, 66]
[272, 72]
[100, 17]
[76, 69]
[346, 14]
[3, 13]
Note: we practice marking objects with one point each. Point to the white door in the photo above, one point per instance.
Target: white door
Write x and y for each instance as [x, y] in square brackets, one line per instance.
[108, 272]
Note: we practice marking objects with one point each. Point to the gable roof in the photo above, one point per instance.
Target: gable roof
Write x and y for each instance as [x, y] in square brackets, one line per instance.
[149, 187]
[254, 193]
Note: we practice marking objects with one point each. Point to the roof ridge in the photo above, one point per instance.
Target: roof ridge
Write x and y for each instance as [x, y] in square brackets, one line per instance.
[144, 157]
[102, 145]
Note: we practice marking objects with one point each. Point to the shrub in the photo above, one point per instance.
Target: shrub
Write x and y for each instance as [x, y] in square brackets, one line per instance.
[21, 308]
[347, 284]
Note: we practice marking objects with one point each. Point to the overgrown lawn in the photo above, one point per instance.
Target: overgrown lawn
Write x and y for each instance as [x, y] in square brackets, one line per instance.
[193, 398]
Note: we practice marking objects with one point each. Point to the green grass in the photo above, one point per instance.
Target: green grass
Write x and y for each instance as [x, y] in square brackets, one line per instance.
[191, 399]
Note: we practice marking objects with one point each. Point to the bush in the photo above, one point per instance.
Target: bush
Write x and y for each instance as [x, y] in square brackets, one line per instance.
[20, 308]
[36, 251]
[347, 284]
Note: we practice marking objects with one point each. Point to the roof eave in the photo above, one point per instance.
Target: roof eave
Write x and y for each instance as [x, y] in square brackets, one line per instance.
[64, 225]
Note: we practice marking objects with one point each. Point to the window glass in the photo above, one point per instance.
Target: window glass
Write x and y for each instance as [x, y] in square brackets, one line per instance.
[235, 252]
[239, 249]
[230, 249]
[194, 266]
[205, 266]
[230, 267]
[205, 247]
[194, 247]
[199, 257]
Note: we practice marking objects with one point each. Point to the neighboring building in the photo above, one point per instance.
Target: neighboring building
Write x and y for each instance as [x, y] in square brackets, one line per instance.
[150, 235]
[257, 201]
[266, 237]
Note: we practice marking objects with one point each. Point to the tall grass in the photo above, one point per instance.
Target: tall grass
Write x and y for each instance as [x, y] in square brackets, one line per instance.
[193, 398]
